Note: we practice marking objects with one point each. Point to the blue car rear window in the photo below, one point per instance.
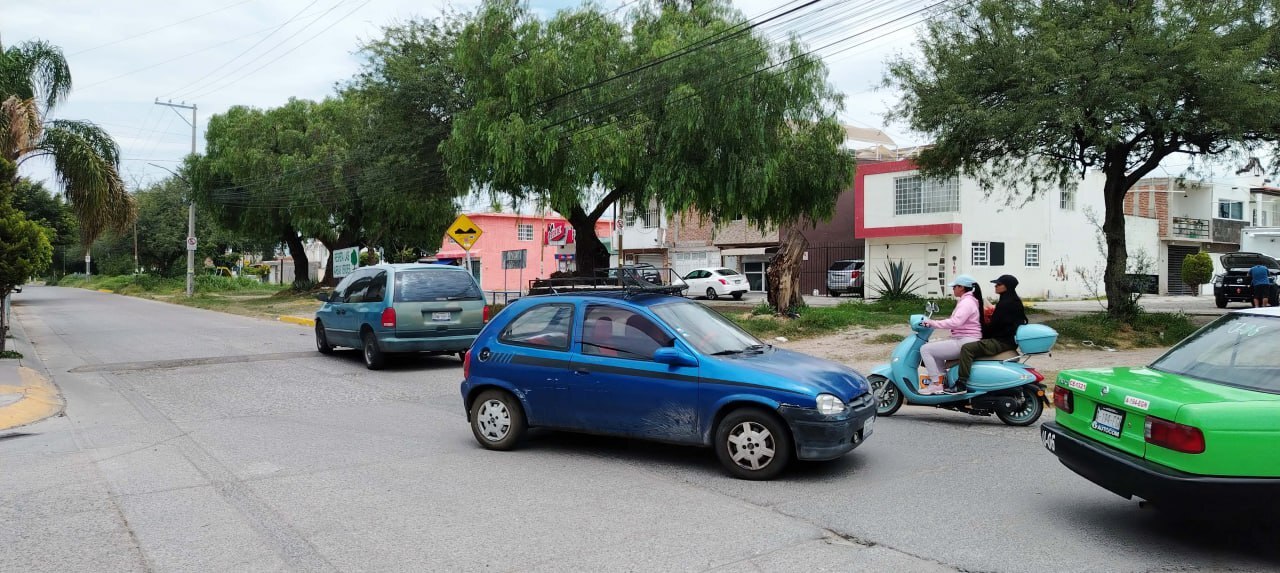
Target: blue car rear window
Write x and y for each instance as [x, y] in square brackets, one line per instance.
[432, 285]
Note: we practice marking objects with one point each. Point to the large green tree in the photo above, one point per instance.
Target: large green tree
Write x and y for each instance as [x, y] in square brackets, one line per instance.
[24, 246]
[680, 104]
[34, 79]
[1037, 91]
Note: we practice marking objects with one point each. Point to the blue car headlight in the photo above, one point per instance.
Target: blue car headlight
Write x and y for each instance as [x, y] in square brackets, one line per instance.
[829, 405]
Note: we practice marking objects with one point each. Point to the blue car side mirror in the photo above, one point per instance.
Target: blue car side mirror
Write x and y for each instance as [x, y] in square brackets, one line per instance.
[673, 357]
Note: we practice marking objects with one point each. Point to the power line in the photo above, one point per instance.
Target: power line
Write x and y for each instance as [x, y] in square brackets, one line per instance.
[166, 26]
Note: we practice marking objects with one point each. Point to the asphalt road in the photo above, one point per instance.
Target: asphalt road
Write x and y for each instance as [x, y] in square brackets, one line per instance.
[197, 441]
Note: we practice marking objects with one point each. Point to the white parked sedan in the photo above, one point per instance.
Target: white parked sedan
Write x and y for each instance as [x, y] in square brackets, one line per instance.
[715, 283]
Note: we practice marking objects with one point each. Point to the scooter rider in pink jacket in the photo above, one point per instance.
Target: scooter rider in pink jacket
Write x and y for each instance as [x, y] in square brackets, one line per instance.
[965, 324]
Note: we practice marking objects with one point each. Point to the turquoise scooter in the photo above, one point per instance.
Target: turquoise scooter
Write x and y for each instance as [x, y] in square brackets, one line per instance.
[1002, 385]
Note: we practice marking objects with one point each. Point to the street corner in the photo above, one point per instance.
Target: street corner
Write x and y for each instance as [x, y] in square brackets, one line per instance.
[300, 320]
[26, 396]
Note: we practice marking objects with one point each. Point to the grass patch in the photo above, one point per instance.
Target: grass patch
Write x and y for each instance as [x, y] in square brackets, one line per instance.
[817, 321]
[151, 284]
[10, 354]
[1148, 330]
[886, 338]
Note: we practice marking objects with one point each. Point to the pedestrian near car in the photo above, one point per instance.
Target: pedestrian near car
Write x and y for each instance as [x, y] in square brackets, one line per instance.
[965, 324]
[1260, 283]
[998, 334]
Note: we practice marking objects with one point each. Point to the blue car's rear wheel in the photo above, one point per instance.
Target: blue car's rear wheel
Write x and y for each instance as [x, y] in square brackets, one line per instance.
[753, 444]
[497, 420]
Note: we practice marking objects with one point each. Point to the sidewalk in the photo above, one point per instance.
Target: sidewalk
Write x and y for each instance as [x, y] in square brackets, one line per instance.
[26, 395]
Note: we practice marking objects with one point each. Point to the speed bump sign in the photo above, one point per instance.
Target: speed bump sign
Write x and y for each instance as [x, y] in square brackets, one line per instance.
[464, 232]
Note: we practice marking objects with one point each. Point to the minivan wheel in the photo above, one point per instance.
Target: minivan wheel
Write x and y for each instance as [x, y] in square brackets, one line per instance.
[322, 340]
[712, 294]
[753, 444]
[374, 359]
[497, 420]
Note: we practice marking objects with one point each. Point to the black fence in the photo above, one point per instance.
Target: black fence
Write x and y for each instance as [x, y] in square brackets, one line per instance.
[813, 270]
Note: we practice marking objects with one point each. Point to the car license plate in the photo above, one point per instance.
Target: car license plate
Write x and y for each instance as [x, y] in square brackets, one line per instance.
[441, 316]
[1108, 420]
[867, 426]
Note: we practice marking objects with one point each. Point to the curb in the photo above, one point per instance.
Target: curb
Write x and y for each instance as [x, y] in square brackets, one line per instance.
[39, 400]
[108, 291]
[297, 320]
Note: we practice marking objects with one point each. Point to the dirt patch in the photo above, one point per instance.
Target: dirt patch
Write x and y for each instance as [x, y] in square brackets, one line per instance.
[866, 348]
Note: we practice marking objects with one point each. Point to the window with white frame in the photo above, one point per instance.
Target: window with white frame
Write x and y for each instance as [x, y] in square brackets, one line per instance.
[1031, 255]
[524, 232]
[1067, 200]
[915, 195]
[980, 254]
[1231, 209]
[651, 219]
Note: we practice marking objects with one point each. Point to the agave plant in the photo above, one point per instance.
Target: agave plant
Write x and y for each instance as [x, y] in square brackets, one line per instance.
[898, 282]
[34, 79]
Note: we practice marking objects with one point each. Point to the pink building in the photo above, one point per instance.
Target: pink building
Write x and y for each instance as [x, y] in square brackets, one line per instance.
[513, 235]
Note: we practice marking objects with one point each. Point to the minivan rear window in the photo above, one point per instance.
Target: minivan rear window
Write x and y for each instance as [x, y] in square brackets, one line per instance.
[432, 285]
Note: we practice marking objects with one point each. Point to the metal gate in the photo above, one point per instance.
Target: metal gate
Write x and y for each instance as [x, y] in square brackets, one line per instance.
[818, 258]
[1176, 254]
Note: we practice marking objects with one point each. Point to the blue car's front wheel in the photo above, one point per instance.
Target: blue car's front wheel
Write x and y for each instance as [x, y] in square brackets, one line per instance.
[753, 444]
[497, 420]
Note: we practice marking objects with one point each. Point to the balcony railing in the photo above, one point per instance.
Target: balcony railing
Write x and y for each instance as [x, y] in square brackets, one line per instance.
[1188, 228]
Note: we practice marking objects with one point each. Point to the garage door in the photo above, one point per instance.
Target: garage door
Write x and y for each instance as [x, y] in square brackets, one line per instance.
[683, 262]
[655, 260]
[1176, 254]
[925, 261]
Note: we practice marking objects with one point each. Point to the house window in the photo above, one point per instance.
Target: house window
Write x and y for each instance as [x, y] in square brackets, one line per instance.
[987, 254]
[980, 254]
[647, 219]
[1031, 255]
[651, 219]
[915, 195]
[524, 231]
[1067, 200]
[1231, 210]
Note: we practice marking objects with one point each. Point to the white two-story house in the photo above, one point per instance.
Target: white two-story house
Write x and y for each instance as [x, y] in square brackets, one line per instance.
[943, 228]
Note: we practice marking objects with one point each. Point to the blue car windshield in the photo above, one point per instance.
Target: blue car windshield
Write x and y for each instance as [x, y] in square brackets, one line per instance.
[1238, 350]
[704, 329]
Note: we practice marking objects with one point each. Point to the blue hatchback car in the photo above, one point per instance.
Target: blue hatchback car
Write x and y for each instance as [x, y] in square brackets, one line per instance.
[662, 368]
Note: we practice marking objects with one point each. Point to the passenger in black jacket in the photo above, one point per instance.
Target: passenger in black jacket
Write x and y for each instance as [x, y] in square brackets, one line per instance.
[998, 333]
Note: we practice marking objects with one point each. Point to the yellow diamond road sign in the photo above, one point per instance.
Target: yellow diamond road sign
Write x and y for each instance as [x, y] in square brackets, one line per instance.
[464, 232]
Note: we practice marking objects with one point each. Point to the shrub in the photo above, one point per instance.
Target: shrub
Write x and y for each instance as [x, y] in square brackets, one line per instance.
[1197, 269]
[897, 282]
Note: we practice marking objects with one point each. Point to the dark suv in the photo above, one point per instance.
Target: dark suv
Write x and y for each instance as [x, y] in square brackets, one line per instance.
[1235, 286]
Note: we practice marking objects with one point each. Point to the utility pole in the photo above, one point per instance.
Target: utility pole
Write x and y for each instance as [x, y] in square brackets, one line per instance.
[191, 209]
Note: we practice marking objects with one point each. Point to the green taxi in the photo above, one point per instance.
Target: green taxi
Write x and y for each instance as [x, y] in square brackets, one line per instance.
[1199, 425]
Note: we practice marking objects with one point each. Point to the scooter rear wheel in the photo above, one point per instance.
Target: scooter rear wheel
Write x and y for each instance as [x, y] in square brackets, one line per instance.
[1030, 411]
[888, 398]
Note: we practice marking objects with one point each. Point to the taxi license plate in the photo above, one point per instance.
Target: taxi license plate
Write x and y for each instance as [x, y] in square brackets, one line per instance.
[1108, 420]
[441, 316]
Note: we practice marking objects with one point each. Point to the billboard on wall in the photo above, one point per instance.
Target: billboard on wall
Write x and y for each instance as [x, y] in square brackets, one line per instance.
[559, 233]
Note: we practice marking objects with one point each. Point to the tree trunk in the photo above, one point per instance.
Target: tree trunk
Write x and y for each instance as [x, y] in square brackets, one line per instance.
[783, 278]
[591, 254]
[301, 266]
[1118, 303]
[4, 319]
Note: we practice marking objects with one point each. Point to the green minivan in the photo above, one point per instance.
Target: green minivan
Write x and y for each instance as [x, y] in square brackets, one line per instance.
[1198, 427]
[395, 308]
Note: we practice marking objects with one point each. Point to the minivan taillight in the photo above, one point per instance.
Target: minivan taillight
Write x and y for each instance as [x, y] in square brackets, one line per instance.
[1172, 435]
[388, 317]
[486, 314]
[1063, 400]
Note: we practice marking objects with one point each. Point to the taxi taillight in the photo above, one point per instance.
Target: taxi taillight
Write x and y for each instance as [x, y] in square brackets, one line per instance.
[1063, 400]
[1172, 435]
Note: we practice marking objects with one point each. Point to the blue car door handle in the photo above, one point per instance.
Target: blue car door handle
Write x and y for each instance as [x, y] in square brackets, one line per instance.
[581, 371]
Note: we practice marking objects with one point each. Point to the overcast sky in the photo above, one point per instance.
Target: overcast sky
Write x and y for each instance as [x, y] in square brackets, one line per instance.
[126, 54]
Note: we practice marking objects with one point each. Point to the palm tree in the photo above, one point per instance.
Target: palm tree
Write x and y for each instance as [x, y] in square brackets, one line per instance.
[34, 79]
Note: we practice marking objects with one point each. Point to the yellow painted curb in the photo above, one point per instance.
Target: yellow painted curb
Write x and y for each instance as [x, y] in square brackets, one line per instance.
[108, 291]
[40, 400]
[297, 320]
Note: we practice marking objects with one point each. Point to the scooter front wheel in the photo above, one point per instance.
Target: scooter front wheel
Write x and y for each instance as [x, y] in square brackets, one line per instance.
[888, 398]
[1029, 410]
